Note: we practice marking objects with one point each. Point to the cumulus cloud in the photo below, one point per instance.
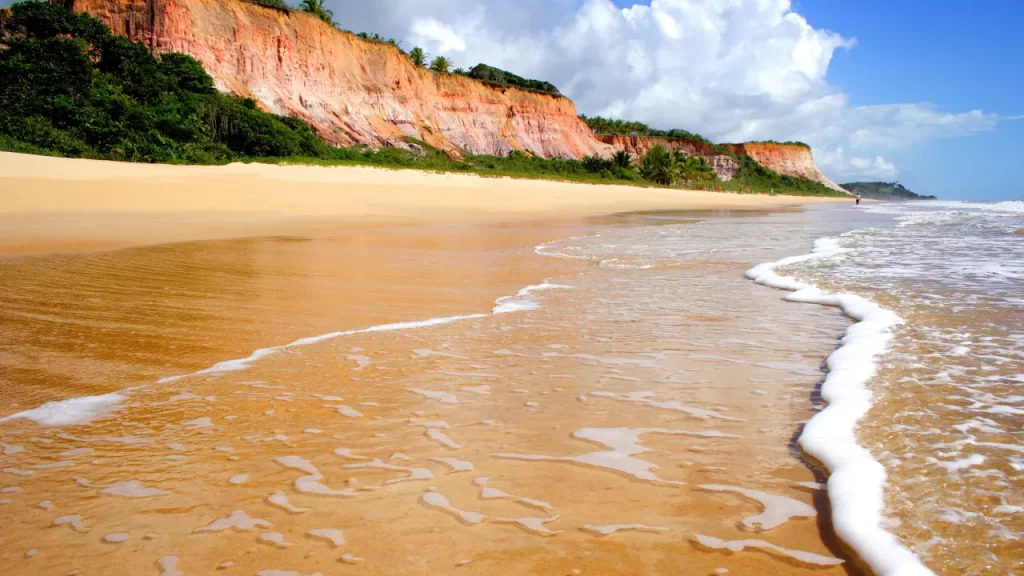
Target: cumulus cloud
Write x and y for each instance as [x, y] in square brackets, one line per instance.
[429, 30]
[856, 168]
[733, 71]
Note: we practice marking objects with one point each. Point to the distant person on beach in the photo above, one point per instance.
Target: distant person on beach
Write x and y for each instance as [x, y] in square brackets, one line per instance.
[858, 199]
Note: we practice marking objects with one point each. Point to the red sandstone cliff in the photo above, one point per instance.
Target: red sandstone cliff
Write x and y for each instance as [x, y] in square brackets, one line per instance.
[789, 159]
[351, 91]
[356, 92]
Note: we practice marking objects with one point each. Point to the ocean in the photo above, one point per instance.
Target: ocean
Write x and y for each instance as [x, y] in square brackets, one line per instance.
[948, 409]
[928, 383]
[832, 390]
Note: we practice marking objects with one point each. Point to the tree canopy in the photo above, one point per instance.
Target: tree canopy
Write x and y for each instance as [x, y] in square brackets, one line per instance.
[419, 57]
[319, 9]
[610, 126]
[631, 128]
[72, 88]
[441, 64]
[500, 77]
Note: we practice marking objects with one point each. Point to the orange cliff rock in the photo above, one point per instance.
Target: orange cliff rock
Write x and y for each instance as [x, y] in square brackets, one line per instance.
[352, 91]
[349, 90]
[789, 159]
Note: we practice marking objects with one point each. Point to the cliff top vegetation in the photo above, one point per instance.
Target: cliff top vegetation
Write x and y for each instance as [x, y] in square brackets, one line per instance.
[72, 88]
[612, 126]
[786, 143]
[499, 77]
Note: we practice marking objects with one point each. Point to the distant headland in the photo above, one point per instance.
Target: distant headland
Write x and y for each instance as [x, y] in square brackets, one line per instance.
[891, 191]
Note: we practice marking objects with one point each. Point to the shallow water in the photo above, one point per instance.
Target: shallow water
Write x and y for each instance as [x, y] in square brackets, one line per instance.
[636, 413]
[948, 421]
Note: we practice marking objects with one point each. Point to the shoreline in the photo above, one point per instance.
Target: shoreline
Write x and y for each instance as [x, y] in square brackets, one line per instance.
[856, 479]
[388, 214]
[445, 377]
[52, 204]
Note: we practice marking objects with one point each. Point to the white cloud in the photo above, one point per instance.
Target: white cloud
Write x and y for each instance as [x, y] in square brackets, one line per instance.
[733, 71]
[429, 30]
[855, 168]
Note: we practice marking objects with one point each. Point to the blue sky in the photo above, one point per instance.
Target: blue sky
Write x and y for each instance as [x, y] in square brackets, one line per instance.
[959, 56]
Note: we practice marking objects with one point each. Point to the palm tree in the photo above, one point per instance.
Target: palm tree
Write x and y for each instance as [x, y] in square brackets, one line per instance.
[622, 159]
[695, 169]
[660, 166]
[419, 57]
[318, 9]
[441, 64]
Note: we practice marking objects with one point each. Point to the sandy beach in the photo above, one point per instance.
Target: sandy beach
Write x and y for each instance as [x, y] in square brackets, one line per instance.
[311, 370]
[446, 289]
[56, 204]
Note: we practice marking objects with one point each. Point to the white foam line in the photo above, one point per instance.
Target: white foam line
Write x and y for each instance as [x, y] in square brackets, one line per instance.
[84, 409]
[521, 301]
[244, 363]
[856, 482]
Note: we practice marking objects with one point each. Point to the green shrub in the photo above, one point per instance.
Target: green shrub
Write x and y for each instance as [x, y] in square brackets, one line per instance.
[754, 177]
[786, 143]
[378, 39]
[594, 164]
[599, 125]
[72, 88]
[499, 77]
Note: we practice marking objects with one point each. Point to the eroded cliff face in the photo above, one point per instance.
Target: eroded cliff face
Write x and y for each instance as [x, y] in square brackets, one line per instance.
[351, 91]
[789, 159]
[725, 166]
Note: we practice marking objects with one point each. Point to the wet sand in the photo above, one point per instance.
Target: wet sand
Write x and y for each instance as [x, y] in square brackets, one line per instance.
[511, 435]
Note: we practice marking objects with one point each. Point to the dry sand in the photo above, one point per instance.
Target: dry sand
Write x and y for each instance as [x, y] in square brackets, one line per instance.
[58, 204]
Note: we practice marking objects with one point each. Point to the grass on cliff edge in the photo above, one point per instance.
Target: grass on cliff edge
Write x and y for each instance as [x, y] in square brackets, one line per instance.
[515, 165]
[73, 89]
[750, 180]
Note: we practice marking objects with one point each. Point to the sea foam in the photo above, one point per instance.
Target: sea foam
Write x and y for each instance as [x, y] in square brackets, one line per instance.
[857, 480]
[523, 300]
[82, 410]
